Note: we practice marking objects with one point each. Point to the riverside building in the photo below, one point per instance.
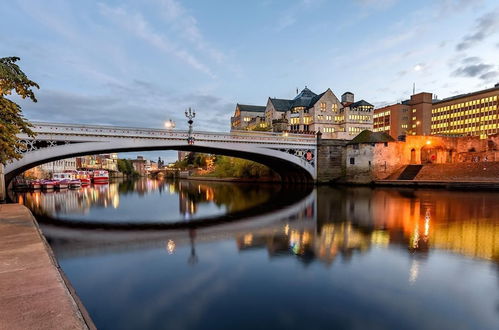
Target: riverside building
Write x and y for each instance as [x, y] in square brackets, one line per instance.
[410, 117]
[310, 113]
[393, 119]
[246, 115]
[472, 114]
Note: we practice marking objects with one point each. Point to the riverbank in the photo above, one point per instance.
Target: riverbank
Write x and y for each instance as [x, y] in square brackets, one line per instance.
[35, 294]
[466, 185]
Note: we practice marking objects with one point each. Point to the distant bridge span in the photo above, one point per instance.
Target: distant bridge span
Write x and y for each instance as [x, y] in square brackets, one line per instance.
[292, 156]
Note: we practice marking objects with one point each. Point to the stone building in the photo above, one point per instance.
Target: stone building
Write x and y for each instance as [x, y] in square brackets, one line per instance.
[371, 156]
[376, 156]
[244, 114]
[325, 113]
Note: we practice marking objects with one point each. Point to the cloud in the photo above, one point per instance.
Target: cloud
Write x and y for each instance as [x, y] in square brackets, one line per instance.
[140, 27]
[485, 26]
[290, 16]
[187, 27]
[453, 6]
[472, 60]
[471, 67]
[489, 75]
[149, 107]
[381, 4]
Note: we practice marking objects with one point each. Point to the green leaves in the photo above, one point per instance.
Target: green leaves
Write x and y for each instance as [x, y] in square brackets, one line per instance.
[12, 122]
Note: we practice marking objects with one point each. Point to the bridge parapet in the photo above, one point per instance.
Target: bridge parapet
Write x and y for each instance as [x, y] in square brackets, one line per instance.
[42, 129]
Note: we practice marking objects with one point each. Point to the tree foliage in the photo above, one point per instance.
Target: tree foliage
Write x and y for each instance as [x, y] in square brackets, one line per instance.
[125, 166]
[240, 168]
[12, 121]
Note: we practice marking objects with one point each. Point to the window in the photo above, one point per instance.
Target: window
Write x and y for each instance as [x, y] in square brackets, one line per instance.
[352, 161]
[323, 106]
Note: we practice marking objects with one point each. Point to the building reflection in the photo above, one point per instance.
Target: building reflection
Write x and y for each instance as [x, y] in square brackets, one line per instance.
[337, 223]
[352, 221]
[191, 195]
[68, 201]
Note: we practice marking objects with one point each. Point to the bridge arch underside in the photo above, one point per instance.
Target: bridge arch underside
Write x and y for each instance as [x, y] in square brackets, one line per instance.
[287, 166]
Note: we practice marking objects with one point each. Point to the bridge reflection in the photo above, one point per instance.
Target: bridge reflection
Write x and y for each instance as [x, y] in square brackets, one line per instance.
[326, 225]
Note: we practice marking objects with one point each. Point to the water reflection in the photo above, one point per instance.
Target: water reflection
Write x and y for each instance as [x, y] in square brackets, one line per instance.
[341, 257]
[153, 200]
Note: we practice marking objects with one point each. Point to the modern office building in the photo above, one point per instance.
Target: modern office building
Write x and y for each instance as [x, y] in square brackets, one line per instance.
[409, 117]
[393, 119]
[472, 114]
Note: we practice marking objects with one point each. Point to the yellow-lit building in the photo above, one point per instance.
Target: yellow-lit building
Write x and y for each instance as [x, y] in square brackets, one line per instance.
[473, 114]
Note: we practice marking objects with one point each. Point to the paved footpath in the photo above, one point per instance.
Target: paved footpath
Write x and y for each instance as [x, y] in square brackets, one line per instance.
[33, 294]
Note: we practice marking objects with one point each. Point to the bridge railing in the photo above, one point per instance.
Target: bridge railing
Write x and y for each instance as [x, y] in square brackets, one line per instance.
[115, 131]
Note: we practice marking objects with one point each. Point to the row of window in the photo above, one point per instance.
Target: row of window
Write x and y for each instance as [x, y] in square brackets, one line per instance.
[466, 104]
[359, 117]
[381, 129]
[465, 113]
[465, 121]
[382, 114]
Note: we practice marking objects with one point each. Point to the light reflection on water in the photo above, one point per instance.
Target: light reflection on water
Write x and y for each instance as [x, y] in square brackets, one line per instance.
[145, 200]
[349, 258]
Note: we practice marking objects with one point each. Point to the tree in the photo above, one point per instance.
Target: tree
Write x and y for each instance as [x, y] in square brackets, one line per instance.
[12, 121]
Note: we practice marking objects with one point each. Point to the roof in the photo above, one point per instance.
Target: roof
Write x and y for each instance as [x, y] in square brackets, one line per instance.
[368, 136]
[360, 103]
[496, 87]
[347, 93]
[306, 98]
[281, 104]
[251, 108]
[305, 93]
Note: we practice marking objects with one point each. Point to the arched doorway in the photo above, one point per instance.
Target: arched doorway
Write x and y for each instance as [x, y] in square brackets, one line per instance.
[413, 156]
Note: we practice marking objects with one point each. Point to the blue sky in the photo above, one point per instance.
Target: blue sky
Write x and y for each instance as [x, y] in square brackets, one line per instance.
[138, 63]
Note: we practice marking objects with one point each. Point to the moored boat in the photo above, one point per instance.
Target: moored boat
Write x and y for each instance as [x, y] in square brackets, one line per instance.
[101, 176]
[48, 184]
[35, 184]
[76, 183]
[61, 184]
[84, 177]
[62, 180]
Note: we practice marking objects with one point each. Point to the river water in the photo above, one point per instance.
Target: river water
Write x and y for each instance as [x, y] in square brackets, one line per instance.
[150, 254]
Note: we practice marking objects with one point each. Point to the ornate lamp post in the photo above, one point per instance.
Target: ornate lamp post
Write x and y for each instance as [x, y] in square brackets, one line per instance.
[190, 114]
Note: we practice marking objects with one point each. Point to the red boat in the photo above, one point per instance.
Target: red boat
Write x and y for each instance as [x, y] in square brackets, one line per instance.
[84, 177]
[100, 176]
[48, 184]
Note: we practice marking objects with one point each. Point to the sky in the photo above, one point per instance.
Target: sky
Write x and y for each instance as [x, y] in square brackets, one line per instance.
[139, 63]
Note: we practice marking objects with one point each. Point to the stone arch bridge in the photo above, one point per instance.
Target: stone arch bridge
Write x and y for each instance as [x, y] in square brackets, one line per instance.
[292, 156]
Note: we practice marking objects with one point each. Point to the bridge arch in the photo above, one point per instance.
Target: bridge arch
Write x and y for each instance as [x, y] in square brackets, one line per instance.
[292, 157]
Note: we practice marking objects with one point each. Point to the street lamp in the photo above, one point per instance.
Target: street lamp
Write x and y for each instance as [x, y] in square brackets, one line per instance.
[169, 124]
[190, 114]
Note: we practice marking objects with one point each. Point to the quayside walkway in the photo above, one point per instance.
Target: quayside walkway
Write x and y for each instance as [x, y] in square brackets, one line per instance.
[33, 293]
